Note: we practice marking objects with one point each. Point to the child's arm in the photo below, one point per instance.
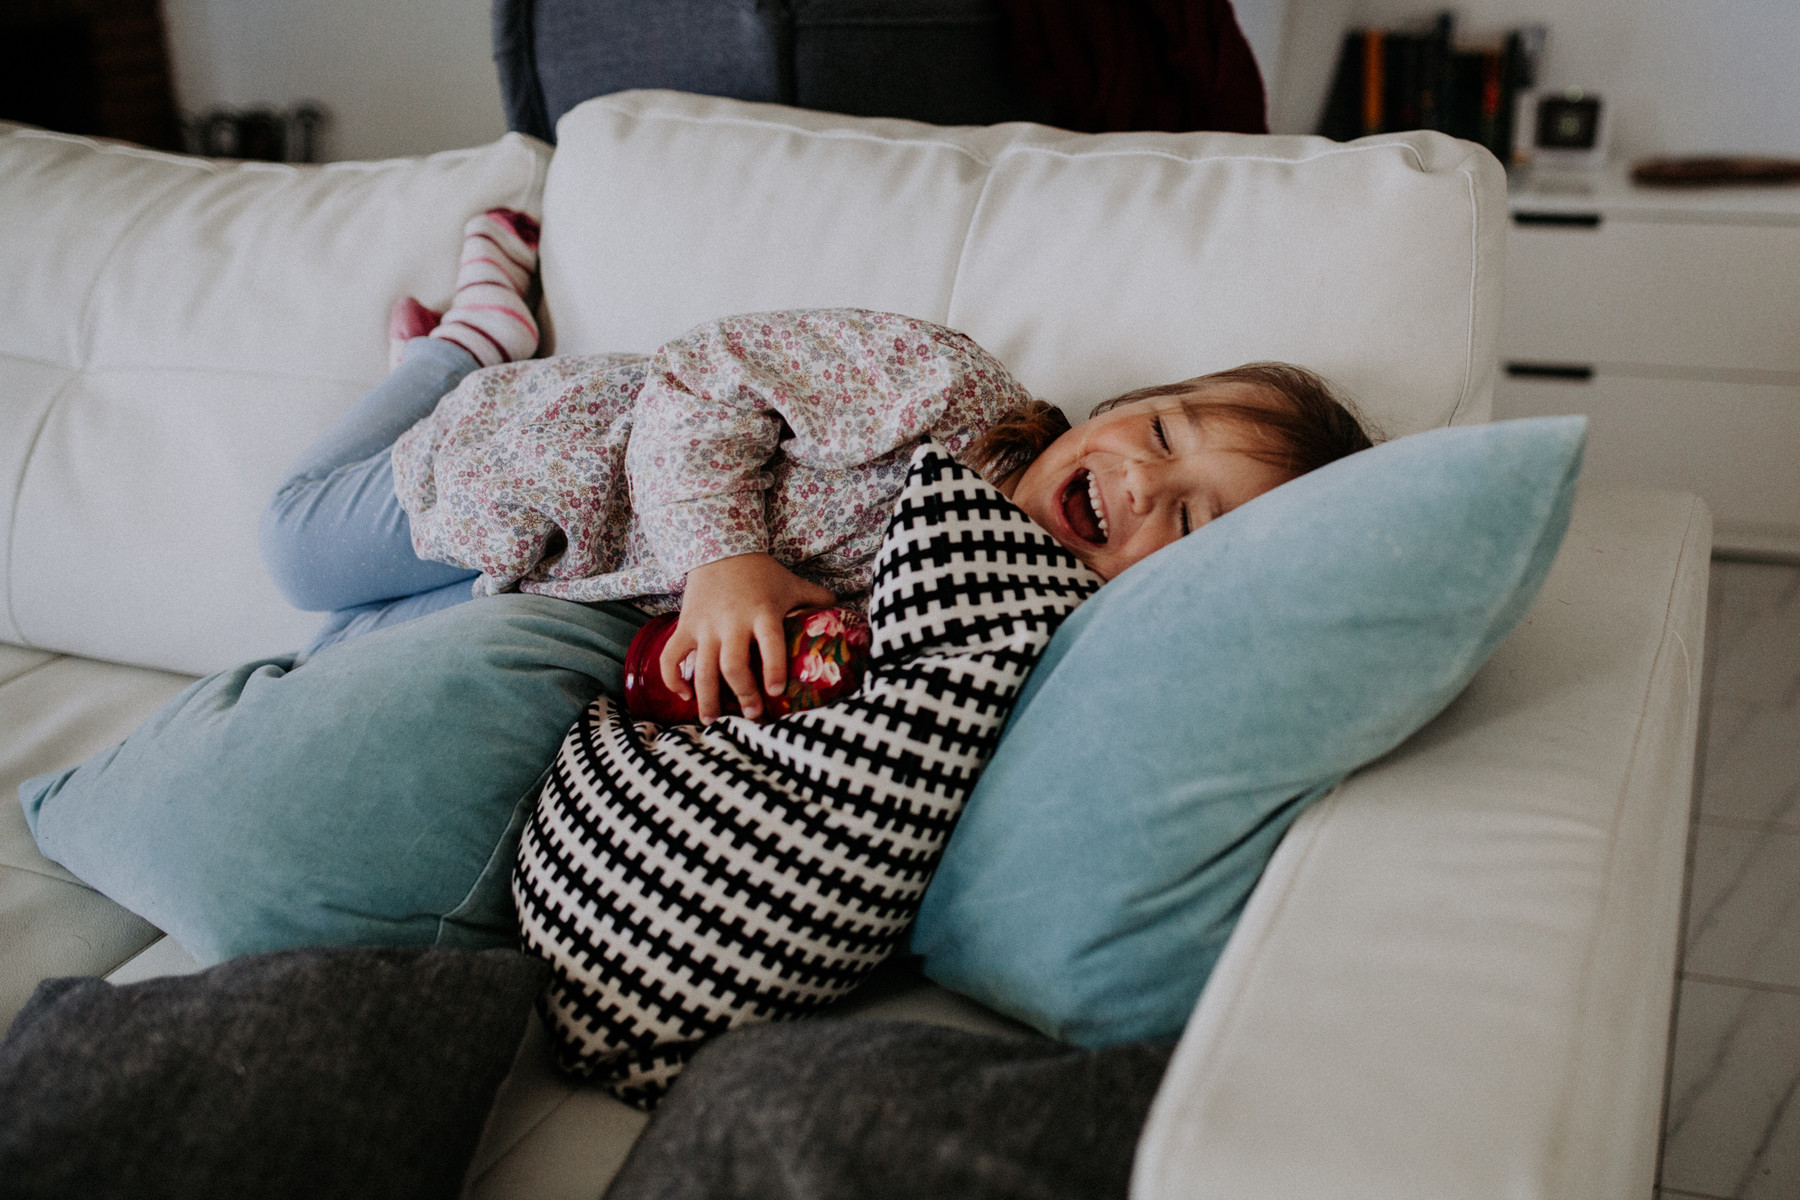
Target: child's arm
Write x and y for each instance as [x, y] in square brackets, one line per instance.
[730, 605]
[833, 389]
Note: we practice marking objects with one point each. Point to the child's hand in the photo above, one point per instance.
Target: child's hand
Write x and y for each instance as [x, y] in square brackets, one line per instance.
[730, 605]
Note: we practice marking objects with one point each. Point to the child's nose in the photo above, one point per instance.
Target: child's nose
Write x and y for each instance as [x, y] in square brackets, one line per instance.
[1145, 482]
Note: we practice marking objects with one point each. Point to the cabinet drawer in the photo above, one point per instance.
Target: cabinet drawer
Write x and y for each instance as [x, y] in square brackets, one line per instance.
[1737, 446]
[1654, 293]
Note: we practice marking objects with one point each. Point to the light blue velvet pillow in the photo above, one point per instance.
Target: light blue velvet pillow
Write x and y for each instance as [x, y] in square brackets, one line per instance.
[372, 795]
[1185, 716]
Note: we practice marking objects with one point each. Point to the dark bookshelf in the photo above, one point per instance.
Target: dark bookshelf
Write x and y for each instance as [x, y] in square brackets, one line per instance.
[1418, 77]
[97, 67]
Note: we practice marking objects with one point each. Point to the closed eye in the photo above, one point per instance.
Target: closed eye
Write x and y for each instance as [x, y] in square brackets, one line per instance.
[1162, 439]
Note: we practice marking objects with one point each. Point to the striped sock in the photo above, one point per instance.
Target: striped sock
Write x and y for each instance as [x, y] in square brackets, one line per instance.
[489, 317]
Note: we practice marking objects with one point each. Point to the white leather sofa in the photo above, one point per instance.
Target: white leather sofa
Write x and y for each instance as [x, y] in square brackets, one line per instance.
[1455, 978]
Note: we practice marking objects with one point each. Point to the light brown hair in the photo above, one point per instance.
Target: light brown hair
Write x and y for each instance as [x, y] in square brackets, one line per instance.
[1303, 423]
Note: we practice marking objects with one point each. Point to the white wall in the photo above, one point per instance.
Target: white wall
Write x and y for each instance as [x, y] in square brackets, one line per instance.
[1298, 76]
[1681, 76]
[398, 76]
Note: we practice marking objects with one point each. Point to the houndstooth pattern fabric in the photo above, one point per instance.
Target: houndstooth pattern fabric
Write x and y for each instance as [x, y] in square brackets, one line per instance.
[686, 880]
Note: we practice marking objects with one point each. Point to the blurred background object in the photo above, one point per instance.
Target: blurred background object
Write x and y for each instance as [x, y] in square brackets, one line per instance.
[408, 77]
[1715, 170]
[99, 67]
[265, 134]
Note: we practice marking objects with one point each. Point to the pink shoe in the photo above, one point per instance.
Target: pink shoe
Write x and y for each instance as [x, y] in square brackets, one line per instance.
[408, 320]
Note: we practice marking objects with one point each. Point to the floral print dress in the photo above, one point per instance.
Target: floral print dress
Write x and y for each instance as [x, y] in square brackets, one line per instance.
[609, 477]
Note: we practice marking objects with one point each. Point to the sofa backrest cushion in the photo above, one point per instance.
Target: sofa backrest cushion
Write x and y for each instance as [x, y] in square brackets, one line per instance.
[1089, 264]
[176, 330]
[180, 329]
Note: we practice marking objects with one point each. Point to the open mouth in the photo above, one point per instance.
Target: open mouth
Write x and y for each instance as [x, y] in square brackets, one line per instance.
[1081, 508]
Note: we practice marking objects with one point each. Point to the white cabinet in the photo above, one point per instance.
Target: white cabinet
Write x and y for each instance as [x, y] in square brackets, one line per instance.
[1672, 319]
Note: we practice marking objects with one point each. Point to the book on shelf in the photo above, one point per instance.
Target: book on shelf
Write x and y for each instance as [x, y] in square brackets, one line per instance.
[1419, 77]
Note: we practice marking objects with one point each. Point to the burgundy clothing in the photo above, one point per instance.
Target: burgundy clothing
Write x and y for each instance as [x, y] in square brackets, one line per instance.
[1108, 65]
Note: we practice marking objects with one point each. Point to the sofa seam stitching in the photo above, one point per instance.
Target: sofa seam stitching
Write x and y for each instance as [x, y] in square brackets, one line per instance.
[121, 149]
[1206, 159]
[12, 521]
[844, 135]
[160, 938]
[86, 887]
[221, 167]
[962, 252]
[1618, 809]
[84, 349]
[1474, 293]
[55, 657]
[514, 1146]
[192, 369]
[1332, 150]
[34, 360]
[137, 954]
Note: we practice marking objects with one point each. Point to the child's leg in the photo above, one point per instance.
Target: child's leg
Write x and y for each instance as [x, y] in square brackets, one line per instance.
[622, 623]
[334, 537]
[430, 370]
[347, 623]
[489, 316]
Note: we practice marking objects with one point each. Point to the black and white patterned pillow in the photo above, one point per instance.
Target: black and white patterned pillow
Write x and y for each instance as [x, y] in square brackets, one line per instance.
[687, 880]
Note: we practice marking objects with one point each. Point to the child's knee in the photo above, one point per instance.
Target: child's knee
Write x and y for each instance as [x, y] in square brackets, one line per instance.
[281, 536]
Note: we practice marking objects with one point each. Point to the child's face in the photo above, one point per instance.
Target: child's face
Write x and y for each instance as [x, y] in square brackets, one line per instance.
[1122, 485]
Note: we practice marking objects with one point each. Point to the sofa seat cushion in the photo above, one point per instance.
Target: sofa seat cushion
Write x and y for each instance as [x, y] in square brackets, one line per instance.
[54, 710]
[1456, 976]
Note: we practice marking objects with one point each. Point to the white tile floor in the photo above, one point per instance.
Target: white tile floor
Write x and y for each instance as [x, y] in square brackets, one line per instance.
[1733, 1127]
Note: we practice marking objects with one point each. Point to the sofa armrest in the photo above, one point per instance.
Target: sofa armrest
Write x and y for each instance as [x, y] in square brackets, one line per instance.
[1456, 976]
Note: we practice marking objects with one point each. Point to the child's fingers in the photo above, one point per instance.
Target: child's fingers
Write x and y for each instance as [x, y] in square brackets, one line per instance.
[675, 651]
[771, 642]
[706, 686]
[734, 664]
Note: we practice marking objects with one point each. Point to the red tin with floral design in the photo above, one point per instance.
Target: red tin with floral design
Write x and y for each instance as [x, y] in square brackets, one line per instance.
[827, 651]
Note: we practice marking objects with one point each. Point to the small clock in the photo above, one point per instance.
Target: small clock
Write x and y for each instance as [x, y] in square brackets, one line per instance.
[1568, 129]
